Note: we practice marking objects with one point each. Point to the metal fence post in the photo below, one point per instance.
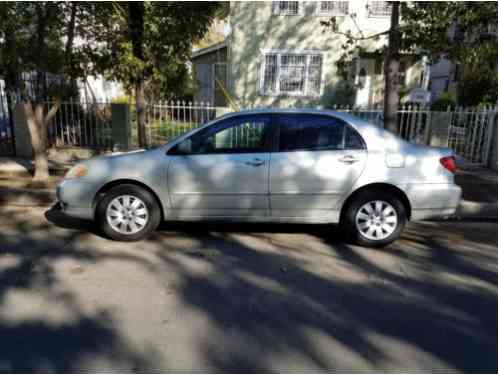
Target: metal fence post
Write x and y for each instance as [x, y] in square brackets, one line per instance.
[120, 126]
[428, 130]
[24, 147]
[492, 141]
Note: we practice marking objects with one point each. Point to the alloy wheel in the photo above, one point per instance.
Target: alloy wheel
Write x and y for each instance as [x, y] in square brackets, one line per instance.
[376, 220]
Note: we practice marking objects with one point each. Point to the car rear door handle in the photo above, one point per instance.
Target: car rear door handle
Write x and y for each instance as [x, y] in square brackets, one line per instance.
[255, 162]
[348, 159]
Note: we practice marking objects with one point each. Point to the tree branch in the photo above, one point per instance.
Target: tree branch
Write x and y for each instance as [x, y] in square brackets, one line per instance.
[52, 112]
[357, 38]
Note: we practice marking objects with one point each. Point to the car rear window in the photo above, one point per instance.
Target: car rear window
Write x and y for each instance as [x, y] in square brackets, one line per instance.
[305, 132]
[315, 133]
[353, 140]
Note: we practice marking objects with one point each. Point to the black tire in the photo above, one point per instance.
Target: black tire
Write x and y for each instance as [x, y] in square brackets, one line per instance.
[153, 208]
[348, 221]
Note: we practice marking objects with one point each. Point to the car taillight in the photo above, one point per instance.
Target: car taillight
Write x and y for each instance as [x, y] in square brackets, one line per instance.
[449, 163]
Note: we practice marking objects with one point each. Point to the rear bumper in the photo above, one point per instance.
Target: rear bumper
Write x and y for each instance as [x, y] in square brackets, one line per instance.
[433, 201]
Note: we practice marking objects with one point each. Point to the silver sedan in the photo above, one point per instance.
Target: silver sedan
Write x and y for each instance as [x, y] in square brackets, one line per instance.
[272, 165]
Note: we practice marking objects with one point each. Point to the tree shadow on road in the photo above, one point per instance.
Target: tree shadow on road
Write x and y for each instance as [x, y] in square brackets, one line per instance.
[282, 298]
[432, 307]
[37, 340]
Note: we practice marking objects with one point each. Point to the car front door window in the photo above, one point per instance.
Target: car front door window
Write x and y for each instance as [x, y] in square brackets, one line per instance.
[246, 134]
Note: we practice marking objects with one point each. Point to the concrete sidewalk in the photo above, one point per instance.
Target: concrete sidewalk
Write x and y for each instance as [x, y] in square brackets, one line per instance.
[21, 167]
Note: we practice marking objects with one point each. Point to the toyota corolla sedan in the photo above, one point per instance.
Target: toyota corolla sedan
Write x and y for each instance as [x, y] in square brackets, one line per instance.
[271, 165]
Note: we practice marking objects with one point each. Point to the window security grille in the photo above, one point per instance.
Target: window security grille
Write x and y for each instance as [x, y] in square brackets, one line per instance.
[333, 8]
[292, 74]
[379, 9]
[286, 8]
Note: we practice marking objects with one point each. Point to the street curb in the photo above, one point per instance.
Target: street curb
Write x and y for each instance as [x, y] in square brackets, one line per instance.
[26, 197]
[29, 172]
[471, 209]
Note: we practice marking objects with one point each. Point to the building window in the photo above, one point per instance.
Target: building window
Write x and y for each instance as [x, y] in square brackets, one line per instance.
[297, 74]
[314, 75]
[333, 8]
[286, 8]
[379, 9]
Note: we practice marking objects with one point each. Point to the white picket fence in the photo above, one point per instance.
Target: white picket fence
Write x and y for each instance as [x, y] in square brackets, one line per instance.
[467, 131]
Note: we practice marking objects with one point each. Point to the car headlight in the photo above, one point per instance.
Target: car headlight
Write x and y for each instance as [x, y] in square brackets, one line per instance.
[77, 171]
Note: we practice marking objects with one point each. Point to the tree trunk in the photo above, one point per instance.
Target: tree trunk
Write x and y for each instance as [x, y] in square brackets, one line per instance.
[391, 69]
[38, 125]
[38, 133]
[136, 26]
[68, 51]
[140, 103]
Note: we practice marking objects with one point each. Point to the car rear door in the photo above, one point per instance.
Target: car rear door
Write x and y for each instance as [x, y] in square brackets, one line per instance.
[316, 161]
[225, 174]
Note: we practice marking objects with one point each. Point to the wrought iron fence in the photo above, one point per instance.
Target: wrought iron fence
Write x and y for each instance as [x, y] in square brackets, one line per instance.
[466, 131]
[81, 125]
[470, 132]
[167, 120]
[6, 131]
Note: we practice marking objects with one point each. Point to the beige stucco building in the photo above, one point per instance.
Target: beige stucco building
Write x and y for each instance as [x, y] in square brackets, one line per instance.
[279, 54]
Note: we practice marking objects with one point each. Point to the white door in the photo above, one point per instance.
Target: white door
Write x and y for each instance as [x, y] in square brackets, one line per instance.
[318, 160]
[222, 170]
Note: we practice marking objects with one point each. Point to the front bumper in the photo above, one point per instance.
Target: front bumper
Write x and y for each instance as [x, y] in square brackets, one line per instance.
[75, 198]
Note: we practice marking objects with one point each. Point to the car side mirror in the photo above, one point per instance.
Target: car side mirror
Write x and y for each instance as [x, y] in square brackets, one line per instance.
[184, 147]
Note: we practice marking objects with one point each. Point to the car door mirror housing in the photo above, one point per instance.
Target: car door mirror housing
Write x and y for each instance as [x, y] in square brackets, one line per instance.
[184, 147]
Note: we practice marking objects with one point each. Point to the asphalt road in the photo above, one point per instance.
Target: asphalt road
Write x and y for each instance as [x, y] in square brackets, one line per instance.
[245, 298]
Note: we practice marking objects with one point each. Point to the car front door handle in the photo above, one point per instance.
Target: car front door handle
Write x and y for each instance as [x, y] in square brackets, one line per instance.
[348, 159]
[255, 162]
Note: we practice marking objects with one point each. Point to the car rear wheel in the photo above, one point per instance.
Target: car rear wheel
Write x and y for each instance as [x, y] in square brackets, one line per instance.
[374, 219]
[128, 213]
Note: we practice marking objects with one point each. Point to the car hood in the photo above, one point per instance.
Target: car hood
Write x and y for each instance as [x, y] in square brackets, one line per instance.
[136, 165]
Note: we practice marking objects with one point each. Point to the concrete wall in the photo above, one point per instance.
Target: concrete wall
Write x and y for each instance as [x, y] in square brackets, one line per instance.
[24, 147]
[255, 28]
[121, 126]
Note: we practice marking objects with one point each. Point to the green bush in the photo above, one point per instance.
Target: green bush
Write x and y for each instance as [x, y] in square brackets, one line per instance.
[448, 99]
[123, 99]
[478, 87]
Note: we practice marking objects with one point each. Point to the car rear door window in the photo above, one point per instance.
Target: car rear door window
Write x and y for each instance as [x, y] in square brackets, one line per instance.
[310, 132]
[353, 140]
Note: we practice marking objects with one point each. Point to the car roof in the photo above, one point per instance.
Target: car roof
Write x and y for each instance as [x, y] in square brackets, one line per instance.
[341, 115]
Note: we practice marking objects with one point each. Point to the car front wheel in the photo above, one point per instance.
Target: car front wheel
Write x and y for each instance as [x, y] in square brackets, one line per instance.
[128, 213]
[374, 219]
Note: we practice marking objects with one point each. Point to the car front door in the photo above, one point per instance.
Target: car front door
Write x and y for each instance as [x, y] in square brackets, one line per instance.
[317, 160]
[222, 170]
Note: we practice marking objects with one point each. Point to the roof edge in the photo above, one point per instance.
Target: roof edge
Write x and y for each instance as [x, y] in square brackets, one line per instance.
[209, 49]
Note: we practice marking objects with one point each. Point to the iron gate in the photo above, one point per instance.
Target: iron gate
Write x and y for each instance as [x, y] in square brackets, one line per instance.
[6, 130]
[469, 134]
